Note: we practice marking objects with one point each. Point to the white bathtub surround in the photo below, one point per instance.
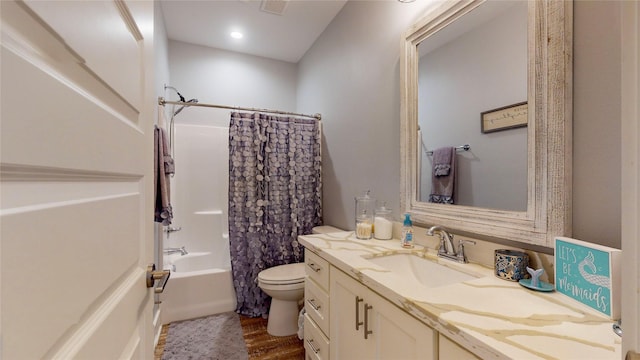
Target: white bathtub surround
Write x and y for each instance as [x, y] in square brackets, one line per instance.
[199, 187]
[200, 283]
[196, 288]
[488, 316]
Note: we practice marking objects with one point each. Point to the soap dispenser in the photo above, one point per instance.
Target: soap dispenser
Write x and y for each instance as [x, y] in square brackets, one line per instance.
[407, 232]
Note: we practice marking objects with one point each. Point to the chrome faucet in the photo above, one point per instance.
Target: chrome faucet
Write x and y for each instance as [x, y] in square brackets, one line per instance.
[446, 240]
[446, 249]
[170, 251]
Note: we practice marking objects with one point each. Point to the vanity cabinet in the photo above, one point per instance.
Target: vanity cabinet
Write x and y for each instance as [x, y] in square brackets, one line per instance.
[316, 304]
[363, 325]
[448, 349]
[316, 344]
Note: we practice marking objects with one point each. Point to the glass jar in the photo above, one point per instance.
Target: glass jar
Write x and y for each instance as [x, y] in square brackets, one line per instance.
[365, 210]
[383, 223]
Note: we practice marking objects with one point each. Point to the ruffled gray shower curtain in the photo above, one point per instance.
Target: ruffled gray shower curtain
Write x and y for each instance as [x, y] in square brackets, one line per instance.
[274, 196]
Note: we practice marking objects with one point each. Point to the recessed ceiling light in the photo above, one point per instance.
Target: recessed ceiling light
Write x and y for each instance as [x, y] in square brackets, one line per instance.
[236, 35]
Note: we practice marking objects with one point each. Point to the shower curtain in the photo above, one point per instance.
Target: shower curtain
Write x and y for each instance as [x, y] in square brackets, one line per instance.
[274, 196]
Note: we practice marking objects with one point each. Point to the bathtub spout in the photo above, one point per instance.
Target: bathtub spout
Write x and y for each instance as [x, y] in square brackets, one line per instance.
[181, 250]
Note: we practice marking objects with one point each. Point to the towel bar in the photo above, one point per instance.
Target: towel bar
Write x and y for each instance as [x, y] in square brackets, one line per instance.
[464, 147]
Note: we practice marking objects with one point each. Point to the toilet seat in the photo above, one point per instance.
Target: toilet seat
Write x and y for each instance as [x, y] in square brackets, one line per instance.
[283, 274]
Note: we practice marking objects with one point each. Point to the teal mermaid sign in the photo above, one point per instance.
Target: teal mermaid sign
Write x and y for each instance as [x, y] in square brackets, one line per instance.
[588, 273]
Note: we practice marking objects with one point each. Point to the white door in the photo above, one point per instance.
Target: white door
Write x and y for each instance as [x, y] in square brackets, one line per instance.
[76, 178]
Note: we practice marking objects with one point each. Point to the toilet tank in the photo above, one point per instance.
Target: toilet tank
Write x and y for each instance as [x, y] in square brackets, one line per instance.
[325, 229]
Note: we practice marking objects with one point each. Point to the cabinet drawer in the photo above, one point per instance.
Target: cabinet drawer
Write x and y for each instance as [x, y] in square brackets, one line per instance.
[316, 345]
[316, 304]
[317, 269]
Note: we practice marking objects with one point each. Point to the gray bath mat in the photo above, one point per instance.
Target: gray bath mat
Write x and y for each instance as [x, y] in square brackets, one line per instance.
[216, 337]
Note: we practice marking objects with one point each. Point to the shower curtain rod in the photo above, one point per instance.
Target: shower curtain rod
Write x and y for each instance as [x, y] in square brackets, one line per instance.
[162, 101]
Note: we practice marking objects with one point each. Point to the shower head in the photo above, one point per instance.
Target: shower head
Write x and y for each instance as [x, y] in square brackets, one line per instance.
[176, 90]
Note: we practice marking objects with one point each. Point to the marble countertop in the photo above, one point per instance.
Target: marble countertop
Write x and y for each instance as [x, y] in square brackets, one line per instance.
[491, 317]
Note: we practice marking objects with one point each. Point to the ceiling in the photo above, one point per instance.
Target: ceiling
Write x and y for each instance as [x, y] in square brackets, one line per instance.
[284, 35]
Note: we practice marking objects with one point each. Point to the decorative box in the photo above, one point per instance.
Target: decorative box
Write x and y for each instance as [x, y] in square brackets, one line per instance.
[589, 273]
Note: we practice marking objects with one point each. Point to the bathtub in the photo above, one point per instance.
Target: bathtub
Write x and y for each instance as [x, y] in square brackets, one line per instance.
[196, 288]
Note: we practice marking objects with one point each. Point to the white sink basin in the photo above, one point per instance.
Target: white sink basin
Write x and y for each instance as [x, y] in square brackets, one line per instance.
[426, 272]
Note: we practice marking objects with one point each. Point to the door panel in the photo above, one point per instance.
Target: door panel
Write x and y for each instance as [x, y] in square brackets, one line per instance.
[100, 33]
[52, 114]
[76, 175]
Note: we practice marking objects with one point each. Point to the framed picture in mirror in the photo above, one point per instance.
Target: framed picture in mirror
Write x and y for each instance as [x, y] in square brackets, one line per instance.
[506, 117]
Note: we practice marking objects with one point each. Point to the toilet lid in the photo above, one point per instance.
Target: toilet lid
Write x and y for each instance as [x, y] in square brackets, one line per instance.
[283, 274]
[325, 229]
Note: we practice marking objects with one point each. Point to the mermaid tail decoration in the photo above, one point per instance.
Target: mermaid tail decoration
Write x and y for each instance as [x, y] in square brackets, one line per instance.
[592, 278]
[535, 276]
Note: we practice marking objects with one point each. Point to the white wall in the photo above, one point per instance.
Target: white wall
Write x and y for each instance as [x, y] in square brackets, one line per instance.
[200, 185]
[350, 75]
[161, 48]
[222, 77]
[597, 122]
[161, 69]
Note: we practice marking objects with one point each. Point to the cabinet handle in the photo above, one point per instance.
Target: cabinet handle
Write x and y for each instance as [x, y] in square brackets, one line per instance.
[367, 332]
[314, 267]
[358, 322]
[313, 304]
[313, 348]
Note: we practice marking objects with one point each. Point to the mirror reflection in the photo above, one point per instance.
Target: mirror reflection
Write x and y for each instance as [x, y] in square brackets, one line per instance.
[472, 89]
[548, 122]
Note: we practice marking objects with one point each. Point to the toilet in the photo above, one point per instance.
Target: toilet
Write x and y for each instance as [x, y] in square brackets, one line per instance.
[285, 285]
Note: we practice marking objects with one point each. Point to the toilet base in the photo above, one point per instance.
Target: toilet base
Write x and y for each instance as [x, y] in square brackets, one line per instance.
[283, 318]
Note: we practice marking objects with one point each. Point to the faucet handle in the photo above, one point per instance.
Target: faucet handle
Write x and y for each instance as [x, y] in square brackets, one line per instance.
[442, 249]
[461, 256]
[171, 229]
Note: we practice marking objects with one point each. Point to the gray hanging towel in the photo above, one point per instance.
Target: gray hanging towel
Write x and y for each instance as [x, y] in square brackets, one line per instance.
[163, 168]
[443, 175]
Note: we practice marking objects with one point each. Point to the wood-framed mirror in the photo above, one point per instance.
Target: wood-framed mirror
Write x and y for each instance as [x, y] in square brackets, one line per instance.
[548, 129]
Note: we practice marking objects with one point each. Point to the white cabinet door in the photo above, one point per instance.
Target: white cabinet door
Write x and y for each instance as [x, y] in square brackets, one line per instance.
[397, 334]
[76, 179]
[450, 350]
[346, 319]
[366, 326]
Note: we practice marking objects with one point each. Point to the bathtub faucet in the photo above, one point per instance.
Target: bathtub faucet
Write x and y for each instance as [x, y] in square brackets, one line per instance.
[170, 251]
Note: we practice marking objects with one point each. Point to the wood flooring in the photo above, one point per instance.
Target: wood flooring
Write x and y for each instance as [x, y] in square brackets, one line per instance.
[161, 342]
[260, 345]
